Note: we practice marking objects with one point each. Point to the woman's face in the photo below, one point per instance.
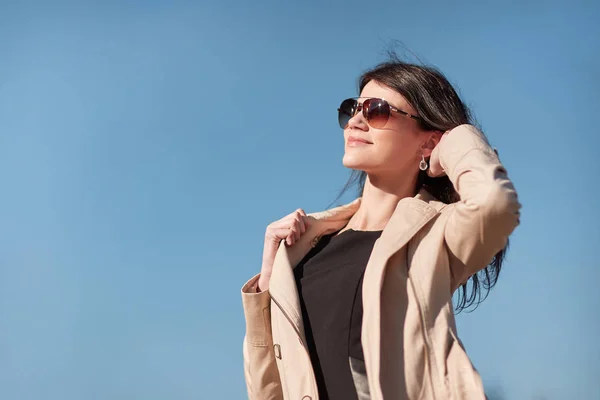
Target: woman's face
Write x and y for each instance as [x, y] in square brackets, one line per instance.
[395, 149]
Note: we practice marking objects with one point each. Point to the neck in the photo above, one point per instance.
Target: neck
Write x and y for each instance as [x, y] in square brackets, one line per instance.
[379, 200]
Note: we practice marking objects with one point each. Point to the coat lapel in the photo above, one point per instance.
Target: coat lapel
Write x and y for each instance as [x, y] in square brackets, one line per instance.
[411, 214]
[282, 286]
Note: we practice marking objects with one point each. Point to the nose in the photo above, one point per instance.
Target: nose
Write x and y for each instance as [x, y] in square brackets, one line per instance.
[358, 121]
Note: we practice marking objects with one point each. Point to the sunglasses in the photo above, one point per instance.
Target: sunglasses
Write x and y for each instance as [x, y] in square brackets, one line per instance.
[376, 111]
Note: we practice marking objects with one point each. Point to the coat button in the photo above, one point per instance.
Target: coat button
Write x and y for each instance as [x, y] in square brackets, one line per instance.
[307, 398]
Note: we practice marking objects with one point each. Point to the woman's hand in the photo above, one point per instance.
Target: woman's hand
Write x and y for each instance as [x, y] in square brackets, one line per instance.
[435, 167]
[290, 228]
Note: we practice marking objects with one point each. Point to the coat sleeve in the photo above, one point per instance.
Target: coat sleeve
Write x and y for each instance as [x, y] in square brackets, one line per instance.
[260, 368]
[488, 211]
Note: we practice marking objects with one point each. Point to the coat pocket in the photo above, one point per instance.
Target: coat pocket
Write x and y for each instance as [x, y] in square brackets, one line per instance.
[462, 379]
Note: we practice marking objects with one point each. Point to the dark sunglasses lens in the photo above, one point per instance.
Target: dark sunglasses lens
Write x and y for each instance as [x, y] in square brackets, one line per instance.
[346, 111]
[377, 112]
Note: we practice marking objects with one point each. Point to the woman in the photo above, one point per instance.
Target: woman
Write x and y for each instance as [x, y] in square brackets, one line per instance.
[356, 302]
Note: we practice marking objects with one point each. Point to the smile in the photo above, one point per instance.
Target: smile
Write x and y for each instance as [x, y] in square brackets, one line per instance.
[355, 141]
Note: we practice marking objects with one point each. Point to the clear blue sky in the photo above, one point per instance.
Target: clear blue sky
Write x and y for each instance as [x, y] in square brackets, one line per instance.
[145, 146]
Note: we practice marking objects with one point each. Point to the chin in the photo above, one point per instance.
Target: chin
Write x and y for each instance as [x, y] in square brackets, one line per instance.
[354, 163]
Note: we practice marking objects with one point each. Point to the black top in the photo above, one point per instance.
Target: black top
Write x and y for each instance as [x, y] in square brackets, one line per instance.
[329, 281]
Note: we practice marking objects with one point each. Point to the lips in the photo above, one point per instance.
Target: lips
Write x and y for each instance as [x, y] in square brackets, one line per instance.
[357, 140]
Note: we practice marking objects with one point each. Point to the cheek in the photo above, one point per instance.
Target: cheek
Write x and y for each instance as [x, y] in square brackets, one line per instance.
[397, 146]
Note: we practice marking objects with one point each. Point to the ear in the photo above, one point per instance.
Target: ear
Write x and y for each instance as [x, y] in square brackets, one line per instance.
[433, 139]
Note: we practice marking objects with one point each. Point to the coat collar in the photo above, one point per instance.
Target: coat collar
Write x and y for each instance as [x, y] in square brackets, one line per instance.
[419, 209]
[345, 212]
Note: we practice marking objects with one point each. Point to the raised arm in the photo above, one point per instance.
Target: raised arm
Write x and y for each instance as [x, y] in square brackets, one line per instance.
[488, 210]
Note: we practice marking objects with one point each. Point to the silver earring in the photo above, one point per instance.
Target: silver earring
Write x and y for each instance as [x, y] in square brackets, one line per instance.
[423, 164]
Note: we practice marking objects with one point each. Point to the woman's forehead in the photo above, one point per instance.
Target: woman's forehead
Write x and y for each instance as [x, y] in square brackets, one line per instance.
[375, 89]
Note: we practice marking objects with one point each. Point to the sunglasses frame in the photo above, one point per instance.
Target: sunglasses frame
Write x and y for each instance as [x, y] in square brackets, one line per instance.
[360, 108]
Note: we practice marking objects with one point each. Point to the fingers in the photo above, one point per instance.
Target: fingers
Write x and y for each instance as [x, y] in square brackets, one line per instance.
[298, 226]
[301, 221]
[280, 233]
[290, 228]
[433, 163]
[435, 172]
[435, 168]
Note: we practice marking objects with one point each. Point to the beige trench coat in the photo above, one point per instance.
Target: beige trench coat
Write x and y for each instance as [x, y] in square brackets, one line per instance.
[426, 251]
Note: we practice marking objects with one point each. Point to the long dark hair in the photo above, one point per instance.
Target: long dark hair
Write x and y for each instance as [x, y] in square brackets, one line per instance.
[441, 109]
